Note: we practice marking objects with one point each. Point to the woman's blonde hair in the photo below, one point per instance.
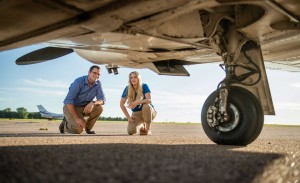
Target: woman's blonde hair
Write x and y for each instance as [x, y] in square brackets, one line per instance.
[131, 91]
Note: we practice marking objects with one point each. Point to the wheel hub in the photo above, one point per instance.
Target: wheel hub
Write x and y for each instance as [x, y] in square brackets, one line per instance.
[223, 122]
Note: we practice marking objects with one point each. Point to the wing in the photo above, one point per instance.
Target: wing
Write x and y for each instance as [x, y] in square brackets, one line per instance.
[159, 35]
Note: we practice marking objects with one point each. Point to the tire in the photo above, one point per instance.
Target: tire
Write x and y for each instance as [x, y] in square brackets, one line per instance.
[245, 122]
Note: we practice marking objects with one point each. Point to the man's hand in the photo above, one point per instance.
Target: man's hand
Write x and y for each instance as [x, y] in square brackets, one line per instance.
[81, 122]
[88, 108]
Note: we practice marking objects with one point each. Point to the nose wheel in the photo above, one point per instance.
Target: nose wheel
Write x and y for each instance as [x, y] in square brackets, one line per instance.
[243, 122]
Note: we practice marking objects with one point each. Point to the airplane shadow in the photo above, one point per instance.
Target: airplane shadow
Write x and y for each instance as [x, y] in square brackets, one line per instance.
[131, 163]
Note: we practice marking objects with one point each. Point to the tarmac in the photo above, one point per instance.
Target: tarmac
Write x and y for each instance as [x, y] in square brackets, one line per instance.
[35, 151]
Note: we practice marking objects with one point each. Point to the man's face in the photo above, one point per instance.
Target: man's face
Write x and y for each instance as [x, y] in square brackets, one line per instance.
[94, 74]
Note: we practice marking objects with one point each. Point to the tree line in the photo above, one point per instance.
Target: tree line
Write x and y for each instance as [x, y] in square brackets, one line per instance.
[22, 113]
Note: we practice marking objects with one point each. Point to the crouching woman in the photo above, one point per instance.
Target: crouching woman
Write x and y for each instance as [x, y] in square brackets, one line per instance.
[138, 97]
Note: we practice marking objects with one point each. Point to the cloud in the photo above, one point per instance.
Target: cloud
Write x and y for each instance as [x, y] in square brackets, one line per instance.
[178, 106]
[6, 99]
[35, 91]
[177, 99]
[43, 91]
[295, 85]
[112, 91]
[46, 83]
[289, 106]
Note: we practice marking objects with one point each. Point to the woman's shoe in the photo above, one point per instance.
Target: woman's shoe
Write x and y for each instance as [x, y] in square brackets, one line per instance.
[143, 131]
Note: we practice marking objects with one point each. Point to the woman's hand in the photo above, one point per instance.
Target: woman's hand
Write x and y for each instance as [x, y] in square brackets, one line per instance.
[133, 104]
[130, 120]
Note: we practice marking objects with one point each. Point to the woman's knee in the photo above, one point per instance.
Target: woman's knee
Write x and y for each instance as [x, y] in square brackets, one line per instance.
[131, 129]
[146, 107]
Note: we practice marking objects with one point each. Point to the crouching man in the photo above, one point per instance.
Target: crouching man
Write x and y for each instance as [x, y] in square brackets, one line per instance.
[79, 103]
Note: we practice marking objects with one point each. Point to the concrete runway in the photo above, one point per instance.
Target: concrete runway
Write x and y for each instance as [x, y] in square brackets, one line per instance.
[174, 153]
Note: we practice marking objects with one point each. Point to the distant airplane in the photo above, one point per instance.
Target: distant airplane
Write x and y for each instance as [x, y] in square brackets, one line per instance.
[49, 115]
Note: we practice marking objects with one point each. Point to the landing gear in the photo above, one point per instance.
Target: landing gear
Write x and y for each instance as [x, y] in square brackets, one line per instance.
[242, 123]
[112, 69]
[232, 115]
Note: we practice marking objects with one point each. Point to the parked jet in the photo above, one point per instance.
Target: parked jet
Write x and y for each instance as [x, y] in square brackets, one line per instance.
[49, 115]
[164, 36]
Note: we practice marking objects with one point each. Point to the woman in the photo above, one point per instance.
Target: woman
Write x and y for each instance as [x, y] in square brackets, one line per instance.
[138, 97]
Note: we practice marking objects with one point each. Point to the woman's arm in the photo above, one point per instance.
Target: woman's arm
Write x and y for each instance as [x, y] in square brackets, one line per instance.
[147, 100]
[122, 106]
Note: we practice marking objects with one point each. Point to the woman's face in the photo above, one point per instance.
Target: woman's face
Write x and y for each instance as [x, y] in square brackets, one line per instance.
[134, 79]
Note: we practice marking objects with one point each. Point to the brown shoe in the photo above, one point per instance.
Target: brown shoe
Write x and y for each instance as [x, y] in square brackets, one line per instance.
[90, 132]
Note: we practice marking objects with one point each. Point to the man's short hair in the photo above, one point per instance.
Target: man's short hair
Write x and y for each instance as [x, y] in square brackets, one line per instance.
[93, 67]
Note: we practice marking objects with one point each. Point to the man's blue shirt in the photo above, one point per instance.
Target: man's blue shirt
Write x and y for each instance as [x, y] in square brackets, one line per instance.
[80, 93]
[145, 90]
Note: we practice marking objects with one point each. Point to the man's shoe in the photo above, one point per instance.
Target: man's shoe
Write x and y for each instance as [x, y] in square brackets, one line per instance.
[62, 125]
[90, 132]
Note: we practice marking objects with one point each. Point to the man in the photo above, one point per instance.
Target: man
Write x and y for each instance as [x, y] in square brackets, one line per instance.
[79, 103]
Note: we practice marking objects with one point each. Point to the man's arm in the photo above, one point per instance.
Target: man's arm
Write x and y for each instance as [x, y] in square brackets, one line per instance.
[100, 96]
[89, 107]
[99, 102]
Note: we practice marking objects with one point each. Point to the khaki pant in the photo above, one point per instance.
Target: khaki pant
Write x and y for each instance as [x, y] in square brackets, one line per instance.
[146, 115]
[72, 127]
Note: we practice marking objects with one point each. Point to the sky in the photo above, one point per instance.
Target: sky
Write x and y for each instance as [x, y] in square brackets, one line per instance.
[176, 98]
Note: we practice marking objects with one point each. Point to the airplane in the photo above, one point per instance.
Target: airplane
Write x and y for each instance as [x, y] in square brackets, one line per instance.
[245, 37]
[49, 115]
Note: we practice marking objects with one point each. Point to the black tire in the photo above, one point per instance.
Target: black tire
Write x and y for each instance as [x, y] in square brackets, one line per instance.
[247, 126]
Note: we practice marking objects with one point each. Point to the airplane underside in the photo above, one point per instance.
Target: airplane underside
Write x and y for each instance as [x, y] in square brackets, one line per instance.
[164, 36]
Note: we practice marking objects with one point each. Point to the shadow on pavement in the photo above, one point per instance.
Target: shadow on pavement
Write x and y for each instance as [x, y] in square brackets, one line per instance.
[131, 163]
[59, 134]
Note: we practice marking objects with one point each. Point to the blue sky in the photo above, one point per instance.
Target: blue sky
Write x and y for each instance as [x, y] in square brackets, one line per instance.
[176, 99]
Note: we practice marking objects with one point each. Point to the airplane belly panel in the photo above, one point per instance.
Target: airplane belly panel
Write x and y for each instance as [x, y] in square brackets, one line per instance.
[106, 57]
